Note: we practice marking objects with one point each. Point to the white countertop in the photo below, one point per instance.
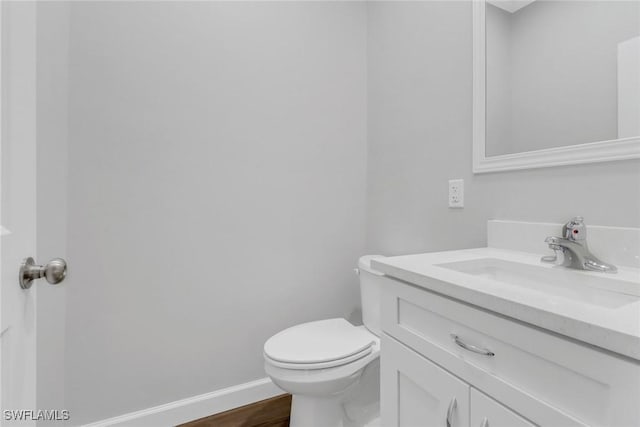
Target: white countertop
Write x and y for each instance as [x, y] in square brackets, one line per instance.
[613, 328]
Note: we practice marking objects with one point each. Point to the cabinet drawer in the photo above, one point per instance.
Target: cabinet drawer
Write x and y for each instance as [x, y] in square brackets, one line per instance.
[586, 385]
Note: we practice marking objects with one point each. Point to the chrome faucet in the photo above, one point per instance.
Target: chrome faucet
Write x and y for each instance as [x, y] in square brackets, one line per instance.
[571, 250]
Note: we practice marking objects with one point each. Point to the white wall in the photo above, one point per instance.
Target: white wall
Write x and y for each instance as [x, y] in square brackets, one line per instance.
[217, 165]
[419, 133]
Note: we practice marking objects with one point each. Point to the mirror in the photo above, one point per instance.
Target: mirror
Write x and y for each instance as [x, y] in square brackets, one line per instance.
[555, 83]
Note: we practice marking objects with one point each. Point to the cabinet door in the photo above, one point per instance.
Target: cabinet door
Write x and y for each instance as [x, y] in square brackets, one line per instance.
[417, 393]
[486, 412]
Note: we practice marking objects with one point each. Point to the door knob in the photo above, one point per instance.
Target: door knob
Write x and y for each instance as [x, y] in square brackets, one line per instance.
[54, 271]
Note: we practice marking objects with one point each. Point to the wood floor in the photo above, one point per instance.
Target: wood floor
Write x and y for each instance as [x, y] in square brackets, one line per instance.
[272, 412]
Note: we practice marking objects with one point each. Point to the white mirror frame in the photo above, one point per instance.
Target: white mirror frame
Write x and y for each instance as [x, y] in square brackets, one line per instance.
[592, 152]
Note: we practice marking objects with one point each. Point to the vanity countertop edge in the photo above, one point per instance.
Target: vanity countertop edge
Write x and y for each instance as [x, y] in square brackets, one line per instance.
[617, 332]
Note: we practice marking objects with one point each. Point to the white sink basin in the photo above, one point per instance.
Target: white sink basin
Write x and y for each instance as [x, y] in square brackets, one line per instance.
[603, 290]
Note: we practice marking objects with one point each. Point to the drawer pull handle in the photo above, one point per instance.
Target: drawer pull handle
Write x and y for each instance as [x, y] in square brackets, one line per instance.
[485, 422]
[472, 347]
[452, 407]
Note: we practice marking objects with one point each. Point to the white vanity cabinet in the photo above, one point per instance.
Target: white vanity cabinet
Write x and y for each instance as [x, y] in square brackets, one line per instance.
[510, 373]
[486, 412]
[416, 392]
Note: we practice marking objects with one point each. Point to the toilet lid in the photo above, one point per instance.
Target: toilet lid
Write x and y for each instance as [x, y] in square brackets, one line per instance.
[319, 343]
[319, 365]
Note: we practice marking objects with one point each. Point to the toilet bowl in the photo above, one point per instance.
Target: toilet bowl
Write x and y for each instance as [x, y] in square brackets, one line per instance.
[331, 367]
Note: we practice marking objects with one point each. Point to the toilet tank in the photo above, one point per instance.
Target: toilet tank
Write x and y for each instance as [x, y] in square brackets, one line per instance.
[370, 290]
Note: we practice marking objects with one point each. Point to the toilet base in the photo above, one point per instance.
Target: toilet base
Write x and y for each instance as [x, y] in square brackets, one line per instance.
[309, 411]
[324, 412]
[358, 406]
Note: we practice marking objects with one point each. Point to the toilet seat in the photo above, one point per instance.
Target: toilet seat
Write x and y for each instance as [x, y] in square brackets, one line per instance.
[318, 345]
[319, 365]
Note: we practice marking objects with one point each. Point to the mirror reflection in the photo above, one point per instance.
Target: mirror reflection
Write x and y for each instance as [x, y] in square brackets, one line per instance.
[561, 73]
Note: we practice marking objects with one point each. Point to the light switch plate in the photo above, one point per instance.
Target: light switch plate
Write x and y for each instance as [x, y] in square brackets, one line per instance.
[456, 193]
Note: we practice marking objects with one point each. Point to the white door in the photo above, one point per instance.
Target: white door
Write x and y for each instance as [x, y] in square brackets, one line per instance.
[486, 412]
[417, 393]
[17, 209]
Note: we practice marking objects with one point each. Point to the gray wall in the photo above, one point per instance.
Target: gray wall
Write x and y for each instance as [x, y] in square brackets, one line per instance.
[52, 169]
[217, 165]
[563, 65]
[419, 133]
[215, 178]
[499, 139]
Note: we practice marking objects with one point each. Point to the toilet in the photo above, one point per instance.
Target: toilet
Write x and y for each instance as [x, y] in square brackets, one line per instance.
[331, 367]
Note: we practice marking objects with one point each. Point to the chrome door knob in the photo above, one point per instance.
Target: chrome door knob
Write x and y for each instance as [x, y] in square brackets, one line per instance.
[54, 271]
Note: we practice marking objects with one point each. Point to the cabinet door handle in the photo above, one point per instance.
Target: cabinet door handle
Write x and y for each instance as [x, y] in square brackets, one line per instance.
[485, 422]
[452, 407]
[472, 347]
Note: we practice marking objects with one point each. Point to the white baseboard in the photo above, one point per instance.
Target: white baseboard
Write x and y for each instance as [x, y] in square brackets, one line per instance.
[192, 408]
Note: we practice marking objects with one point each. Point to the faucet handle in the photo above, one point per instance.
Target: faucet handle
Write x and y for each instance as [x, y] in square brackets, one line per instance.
[552, 240]
[558, 256]
[575, 229]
